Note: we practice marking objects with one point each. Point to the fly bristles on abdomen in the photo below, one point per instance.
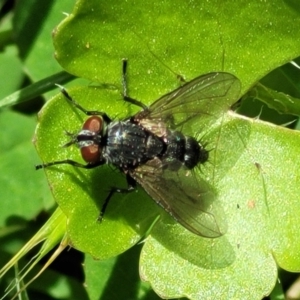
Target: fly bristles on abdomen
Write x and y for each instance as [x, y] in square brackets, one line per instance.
[194, 153]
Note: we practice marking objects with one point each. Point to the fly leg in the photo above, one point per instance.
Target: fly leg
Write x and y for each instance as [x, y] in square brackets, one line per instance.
[105, 117]
[131, 187]
[124, 84]
[70, 162]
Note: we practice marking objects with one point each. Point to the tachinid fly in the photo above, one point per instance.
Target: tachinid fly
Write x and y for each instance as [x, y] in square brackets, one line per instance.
[151, 149]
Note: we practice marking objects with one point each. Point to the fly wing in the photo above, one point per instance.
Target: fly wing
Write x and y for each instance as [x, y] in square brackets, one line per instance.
[189, 201]
[206, 95]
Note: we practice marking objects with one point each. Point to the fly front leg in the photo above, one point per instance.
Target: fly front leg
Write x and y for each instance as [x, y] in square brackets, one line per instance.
[105, 117]
[131, 187]
[70, 162]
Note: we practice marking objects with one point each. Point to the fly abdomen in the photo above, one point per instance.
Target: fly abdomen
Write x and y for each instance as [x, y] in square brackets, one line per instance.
[174, 152]
[194, 153]
[183, 150]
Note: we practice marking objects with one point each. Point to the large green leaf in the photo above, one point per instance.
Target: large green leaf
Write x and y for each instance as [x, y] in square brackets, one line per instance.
[253, 164]
[188, 38]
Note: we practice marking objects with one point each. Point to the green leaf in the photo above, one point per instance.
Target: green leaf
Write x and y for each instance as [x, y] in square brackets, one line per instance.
[10, 70]
[103, 276]
[163, 38]
[35, 89]
[42, 86]
[276, 100]
[24, 192]
[34, 22]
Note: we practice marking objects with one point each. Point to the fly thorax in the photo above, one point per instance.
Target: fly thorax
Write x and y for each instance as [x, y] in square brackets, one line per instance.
[129, 144]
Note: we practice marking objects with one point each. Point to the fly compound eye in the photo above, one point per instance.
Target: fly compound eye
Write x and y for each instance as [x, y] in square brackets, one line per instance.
[93, 124]
[90, 139]
[91, 153]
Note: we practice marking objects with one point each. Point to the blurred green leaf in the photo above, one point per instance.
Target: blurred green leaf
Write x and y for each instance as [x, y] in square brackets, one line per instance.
[34, 22]
[11, 71]
[103, 276]
[36, 89]
[20, 195]
[279, 101]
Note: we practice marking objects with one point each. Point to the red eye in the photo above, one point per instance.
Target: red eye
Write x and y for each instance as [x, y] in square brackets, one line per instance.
[93, 124]
[91, 154]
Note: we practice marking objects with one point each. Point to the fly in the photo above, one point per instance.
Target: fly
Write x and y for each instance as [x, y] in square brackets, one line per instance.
[151, 149]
